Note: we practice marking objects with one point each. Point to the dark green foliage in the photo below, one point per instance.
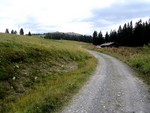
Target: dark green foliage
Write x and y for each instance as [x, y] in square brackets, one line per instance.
[6, 31]
[106, 37]
[94, 38]
[98, 38]
[13, 32]
[129, 35]
[48, 105]
[2, 93]
[4, 75]
[29, 34]
[66, 36]
[21, 31]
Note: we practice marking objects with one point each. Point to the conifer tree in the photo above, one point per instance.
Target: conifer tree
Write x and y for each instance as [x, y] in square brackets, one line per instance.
[95, 38]
[12, 31]
[100, 38]
[29, 34]
[6, 31]
[15, 32]
[21, 31]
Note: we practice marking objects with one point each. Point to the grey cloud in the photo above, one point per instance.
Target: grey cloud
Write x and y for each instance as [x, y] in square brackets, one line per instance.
[118, 13]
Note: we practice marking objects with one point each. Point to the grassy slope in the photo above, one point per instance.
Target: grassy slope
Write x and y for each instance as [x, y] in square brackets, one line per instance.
[138, 58]
[39, 75]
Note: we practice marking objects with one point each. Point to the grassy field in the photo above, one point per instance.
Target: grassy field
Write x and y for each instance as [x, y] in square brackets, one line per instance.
[136, 57]
[39, 75]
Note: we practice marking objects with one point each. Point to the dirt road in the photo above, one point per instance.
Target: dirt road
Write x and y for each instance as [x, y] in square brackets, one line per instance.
[112, 89]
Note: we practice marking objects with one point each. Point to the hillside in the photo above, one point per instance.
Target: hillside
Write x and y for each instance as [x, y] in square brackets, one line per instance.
[39, 75]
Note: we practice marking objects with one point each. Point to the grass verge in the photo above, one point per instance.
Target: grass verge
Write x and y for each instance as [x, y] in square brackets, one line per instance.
[39, 75]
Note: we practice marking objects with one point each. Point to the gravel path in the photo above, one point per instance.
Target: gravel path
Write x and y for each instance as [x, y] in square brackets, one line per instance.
[112, 89]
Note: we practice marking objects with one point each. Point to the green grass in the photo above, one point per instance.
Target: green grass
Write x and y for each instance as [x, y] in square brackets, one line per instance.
[136, 57]
[39, 75]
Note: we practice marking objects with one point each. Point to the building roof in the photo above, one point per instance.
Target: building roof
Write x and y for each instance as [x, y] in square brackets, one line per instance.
[107, 44]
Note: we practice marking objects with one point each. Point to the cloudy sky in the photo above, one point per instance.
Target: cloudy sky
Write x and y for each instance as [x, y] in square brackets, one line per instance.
[80, 16]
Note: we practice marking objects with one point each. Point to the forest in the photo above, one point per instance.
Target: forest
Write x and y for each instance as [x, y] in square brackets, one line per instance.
[127, 35]
[69, 36]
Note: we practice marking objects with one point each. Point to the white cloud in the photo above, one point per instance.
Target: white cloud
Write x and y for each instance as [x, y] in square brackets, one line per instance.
[53, 15]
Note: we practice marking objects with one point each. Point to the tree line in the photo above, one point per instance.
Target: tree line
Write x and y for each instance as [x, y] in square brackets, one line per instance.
[15, 32]
[126, 35]
[67, 36]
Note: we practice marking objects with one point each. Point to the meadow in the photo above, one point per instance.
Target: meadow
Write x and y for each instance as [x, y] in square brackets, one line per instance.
[40, 75]
[138, 58]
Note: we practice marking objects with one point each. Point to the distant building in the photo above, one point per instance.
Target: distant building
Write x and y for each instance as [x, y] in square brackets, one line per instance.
[110, 44]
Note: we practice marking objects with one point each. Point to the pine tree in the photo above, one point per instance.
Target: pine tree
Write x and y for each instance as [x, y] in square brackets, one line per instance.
[15, 32]
[129, 35]
[106, 37]
[100, 38]
[95, 38]
[12, 31]
[21, 31]
[7, 31]
[138, 32]
[29, 34]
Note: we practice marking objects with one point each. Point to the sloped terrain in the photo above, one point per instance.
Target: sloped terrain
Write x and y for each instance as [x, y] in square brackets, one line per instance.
[39, 75]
